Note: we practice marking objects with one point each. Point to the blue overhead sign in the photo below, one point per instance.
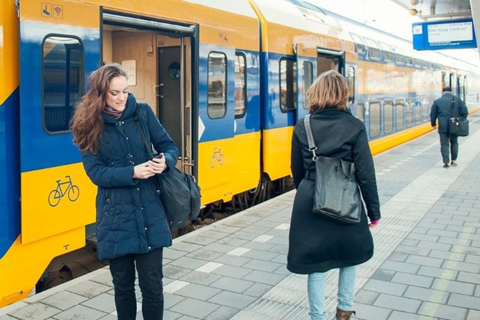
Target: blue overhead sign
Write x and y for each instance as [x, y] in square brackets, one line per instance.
[451, 34]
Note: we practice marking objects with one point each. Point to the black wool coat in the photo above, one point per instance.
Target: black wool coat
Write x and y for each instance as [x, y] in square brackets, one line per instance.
[317, 244]
[130, 215]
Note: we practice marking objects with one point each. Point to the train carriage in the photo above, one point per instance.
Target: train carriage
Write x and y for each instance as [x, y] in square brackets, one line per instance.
[189, 61]
[227, 80]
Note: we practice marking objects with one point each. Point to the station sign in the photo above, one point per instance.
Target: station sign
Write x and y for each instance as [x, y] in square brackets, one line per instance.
[437, 35]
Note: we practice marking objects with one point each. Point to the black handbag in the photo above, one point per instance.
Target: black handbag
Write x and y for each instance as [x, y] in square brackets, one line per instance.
[179, 191]
[457, 125]
[336, 192]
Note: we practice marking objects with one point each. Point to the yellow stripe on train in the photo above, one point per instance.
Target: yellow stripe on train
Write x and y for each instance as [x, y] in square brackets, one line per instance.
[229, 166]
[277, 152]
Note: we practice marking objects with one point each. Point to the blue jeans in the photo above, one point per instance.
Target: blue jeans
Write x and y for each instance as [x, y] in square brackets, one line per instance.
[150, 275]
[316, 292]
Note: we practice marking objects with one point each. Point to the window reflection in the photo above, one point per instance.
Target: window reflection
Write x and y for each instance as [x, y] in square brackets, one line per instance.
[62, 81]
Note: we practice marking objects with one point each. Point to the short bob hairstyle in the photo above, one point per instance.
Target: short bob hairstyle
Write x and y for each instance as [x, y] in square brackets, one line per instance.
[329, 90]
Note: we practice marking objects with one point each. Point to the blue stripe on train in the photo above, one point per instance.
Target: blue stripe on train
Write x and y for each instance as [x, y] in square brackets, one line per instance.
[10, 172]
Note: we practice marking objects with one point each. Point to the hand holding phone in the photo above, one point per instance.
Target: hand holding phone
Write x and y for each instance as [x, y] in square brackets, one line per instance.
[158, 164]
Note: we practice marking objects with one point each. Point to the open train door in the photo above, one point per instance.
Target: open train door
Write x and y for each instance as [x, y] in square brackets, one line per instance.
[164, 77]
[175, 99]
[306, 74]
[330, 60]
[59, 48]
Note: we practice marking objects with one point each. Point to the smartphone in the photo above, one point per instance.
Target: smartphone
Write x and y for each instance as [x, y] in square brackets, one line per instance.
[160, 156]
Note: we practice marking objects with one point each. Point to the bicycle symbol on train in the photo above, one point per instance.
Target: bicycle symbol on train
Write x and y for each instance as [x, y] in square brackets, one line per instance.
[217, 156]
[63, 188]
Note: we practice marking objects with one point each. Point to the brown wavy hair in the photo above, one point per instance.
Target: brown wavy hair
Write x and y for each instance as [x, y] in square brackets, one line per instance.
[87, 122]
[329, 90]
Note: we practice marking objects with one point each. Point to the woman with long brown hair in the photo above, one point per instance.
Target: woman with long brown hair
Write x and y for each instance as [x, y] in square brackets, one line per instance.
[132, 227]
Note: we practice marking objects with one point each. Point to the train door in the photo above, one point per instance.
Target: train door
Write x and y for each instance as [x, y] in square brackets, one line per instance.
[173, 112]
[161, 75]
[307, 72]
[60, 46]
[216, 122]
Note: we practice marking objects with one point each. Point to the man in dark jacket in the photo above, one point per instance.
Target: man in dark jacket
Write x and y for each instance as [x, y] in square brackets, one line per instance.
[444, 108]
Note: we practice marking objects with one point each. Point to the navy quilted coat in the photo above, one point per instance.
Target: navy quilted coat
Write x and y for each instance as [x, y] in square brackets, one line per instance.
[130, 215]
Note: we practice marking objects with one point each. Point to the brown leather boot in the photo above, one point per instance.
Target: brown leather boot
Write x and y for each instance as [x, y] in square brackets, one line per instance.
[343, 315]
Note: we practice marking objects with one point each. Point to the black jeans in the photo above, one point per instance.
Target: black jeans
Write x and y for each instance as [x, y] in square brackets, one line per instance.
[150, 275]
[448, 146]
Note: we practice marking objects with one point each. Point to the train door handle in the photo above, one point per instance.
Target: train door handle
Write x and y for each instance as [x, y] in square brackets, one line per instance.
[156, 89]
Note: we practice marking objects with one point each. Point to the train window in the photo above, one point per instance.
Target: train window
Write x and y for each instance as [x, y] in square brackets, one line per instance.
[359, 46]
[217, 81]
[361, 112]
[62, 80]
[174, 70]
[418, 111]
[288, 84]
[399, 58]
[399, 114]
[460, 86]
[373, 51]
[409, 110]
[351, 84]
[409, 61]
[387, 56]
[307, 80]
[374, 117]
[426, 110]
[388, 116]
[240, 86]
[387, 52]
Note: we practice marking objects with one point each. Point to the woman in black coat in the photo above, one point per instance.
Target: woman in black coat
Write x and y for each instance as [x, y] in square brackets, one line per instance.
[132, 227]
[316, 243]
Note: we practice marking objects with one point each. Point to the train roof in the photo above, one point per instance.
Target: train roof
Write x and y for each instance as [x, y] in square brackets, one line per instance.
[305, 16]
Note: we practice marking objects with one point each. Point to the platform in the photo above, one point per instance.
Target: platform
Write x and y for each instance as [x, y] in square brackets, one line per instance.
[426, 263]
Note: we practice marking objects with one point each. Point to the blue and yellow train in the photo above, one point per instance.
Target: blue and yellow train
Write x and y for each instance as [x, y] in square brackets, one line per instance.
[226, 78]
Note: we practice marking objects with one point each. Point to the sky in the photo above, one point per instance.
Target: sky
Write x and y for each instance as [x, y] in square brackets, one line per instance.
[388, 16]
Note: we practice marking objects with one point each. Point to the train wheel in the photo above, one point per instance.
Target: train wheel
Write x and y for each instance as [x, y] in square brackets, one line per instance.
[54, 279]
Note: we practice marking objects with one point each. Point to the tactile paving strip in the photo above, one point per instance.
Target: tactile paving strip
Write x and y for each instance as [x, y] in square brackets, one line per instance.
[288, 300]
